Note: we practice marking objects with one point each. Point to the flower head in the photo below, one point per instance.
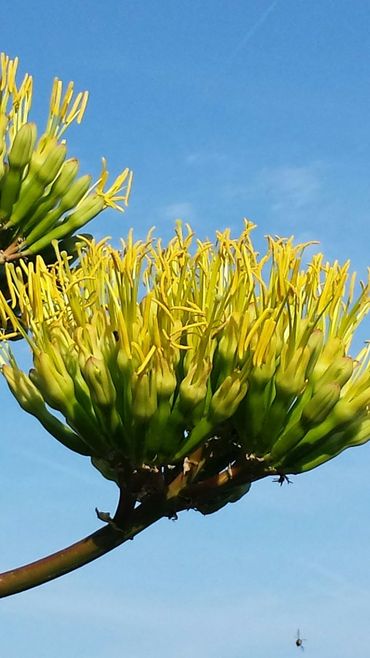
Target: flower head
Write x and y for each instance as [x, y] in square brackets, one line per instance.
[42, 197]
[155, 353]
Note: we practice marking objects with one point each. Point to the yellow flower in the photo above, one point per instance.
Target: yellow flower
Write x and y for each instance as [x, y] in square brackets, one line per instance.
[42, 197]
[152, 352]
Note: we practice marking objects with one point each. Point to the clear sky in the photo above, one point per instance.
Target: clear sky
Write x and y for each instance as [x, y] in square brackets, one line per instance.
[224, 109]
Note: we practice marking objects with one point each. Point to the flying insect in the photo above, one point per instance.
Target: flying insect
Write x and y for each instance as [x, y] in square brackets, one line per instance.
[299, 641]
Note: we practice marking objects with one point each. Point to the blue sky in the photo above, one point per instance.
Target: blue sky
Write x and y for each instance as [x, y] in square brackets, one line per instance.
[223, 110]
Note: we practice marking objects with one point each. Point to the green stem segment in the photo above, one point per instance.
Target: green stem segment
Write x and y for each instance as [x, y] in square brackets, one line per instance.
[82, 552]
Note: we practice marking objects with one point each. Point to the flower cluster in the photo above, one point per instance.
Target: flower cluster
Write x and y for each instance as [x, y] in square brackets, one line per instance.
[155, 353]
[42, 197]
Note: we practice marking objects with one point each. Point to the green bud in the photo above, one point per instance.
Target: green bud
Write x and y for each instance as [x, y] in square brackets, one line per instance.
[87, 210]
[161, 434]
[165, 380]
[99, 382]
[65, 178]
[51, 165]
[28, 396]
[353, 434]
[43, 170]
[56, 389]
[332, 350]
[144, 402]
[89, 207]
[314, 344]
[252, 409]
[19, 156]
[47, 203]
[362, 434]
[346, 410]
[261, 375]
[226, 399]
[193, 388]
[31, 400]
[317, 412]
[227, 346]
[339, 372]
[290, 380]
[321, 404]
[124, 361]
[22, 147]
[75, 193]
[73, 196]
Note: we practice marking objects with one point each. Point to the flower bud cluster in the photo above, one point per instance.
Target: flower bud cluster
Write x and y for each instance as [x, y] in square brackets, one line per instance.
[42, 196]
[150, 351]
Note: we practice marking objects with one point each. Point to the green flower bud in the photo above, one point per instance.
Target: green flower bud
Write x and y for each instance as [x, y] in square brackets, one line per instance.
[51, 165]
[144, 400]
[70, 198]
[228, 346]
[332, 350]
[89, 207]
[314, 344]
[76, 192]
[226, 399]
[87, 210]
[339, 372]
[99, 382]
[321, 404]
[290, 378]
[165, 380]
[31, 400]
[193, 388]
[56, 389]
[346, 410]
[65, 178]
[22, 147]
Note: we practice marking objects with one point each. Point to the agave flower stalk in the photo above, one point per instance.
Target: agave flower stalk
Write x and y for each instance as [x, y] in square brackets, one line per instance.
[188, 371]
[152, 353]
[42, 195]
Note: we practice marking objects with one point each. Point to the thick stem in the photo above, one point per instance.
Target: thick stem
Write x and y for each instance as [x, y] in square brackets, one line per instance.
[82, 552]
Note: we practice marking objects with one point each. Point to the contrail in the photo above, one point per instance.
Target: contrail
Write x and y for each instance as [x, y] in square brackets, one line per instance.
[214, 80]
[252, 31]
[242, 43]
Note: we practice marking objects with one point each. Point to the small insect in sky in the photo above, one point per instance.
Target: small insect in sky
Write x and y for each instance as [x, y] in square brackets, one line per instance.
[282, 478]
[299, 641]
